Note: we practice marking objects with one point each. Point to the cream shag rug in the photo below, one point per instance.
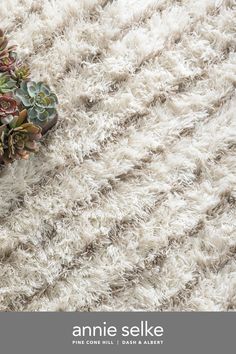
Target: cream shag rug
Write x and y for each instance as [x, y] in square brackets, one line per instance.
[130, 203]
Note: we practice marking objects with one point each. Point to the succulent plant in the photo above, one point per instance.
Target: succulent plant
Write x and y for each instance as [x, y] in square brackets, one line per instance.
[7, 84]
[18, 141]
[39, 100]
[27, 108]
[7, 61]
[8, 109]
[21, 72]
[22, 140]
[7, 54]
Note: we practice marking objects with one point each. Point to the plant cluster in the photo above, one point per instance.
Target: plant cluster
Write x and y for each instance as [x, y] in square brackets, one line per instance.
[27, 107]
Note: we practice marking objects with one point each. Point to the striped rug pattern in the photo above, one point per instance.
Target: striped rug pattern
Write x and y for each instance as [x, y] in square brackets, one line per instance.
[130, 203]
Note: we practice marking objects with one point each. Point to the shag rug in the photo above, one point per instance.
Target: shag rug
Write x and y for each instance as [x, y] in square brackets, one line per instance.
[130, 203]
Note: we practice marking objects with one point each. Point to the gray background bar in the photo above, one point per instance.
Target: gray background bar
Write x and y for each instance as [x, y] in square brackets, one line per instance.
[190, 333]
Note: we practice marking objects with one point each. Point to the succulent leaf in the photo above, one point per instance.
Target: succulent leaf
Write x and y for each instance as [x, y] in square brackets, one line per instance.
[7, 120]
[32, 88]
[17, 121]
[7, 84]
[3, 41]
[23, 97]
[42, 116]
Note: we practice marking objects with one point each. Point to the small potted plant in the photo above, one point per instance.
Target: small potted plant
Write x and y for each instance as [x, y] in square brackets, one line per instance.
[27, 108]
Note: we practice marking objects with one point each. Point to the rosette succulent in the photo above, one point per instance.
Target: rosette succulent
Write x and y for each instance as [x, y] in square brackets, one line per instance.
[21, 72]
[7, 61]
[8, 109]
[39, 100]
[23, 140]
[18, 141]
[7, 84]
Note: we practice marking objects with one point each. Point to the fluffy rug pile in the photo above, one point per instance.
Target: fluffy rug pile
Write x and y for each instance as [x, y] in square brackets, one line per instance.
[130, 203]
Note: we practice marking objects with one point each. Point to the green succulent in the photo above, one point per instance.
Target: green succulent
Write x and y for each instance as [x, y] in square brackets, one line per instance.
[39, 100]
[21, 72]
[7, 84]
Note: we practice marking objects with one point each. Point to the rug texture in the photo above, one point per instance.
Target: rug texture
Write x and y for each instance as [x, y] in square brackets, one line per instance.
[130, 203]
